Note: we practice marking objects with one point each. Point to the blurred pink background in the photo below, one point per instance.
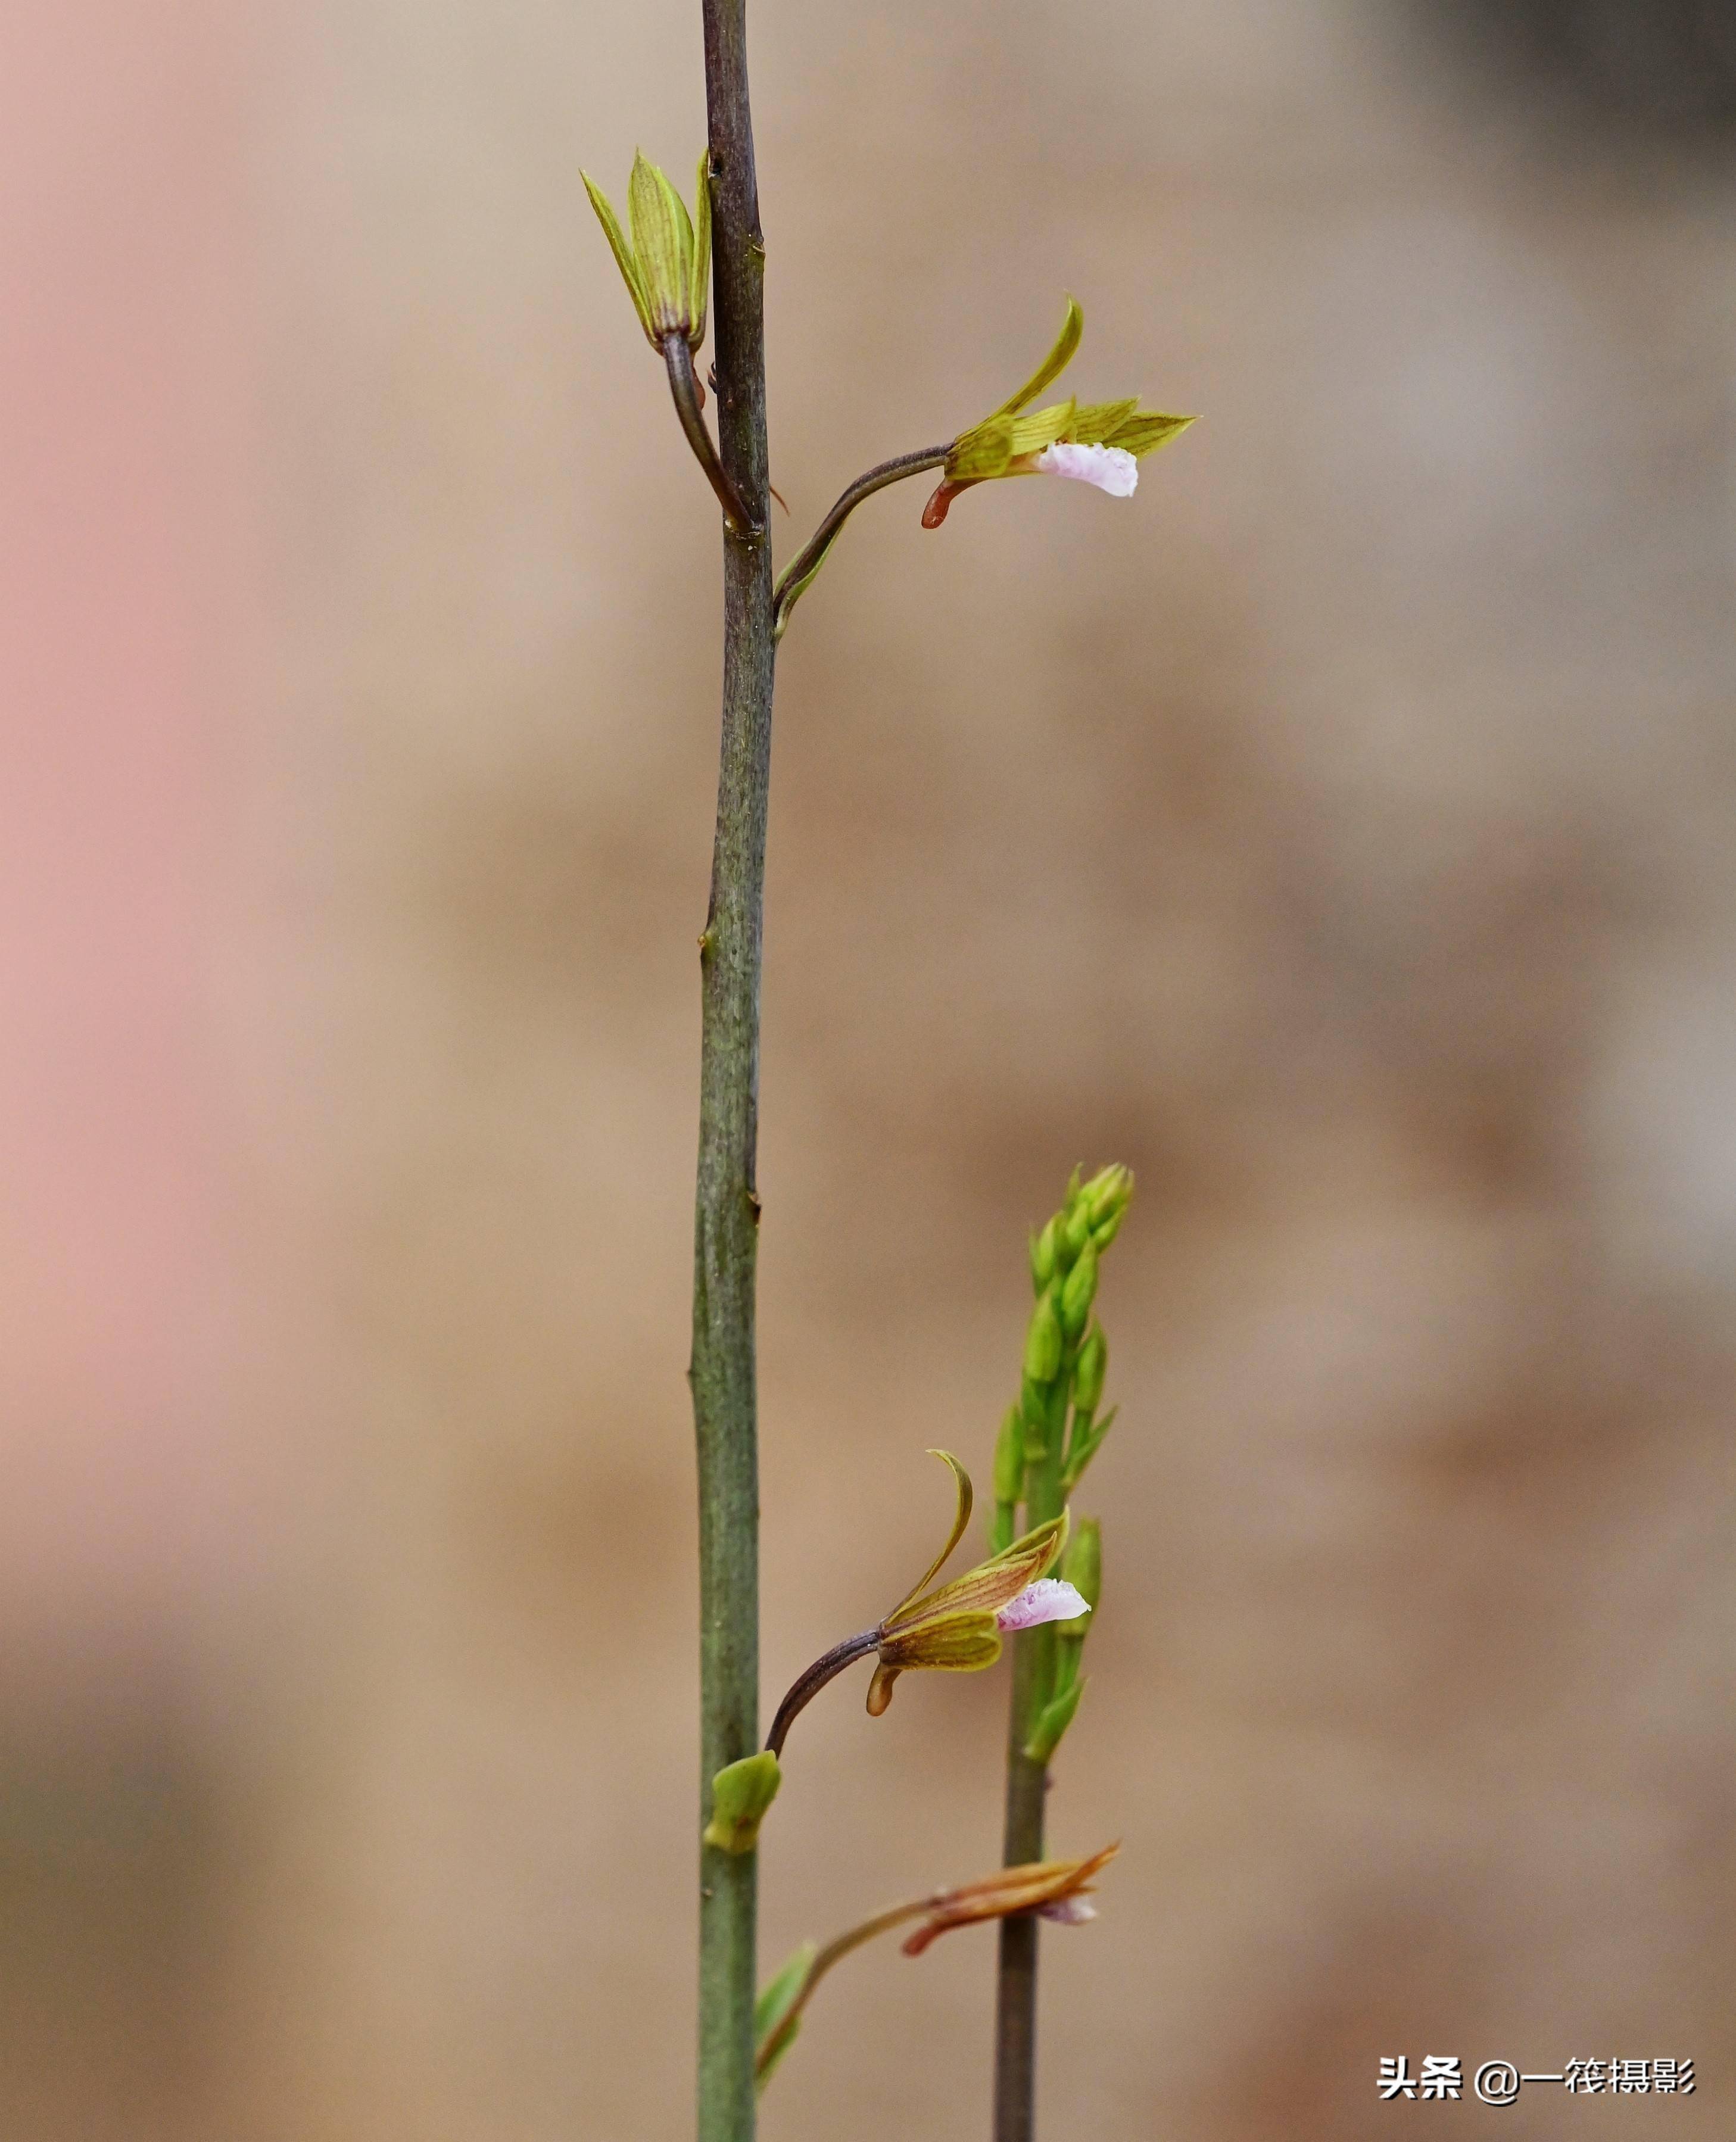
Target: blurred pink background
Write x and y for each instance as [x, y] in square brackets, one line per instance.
[1343, 834]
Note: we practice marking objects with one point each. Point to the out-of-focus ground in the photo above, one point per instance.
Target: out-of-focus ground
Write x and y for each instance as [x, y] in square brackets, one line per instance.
[1343, 834]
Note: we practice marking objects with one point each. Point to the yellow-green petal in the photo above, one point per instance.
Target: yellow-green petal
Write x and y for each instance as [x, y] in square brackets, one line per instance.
[701, 248]
[622, 251]
[1149, 430]
[1095, 422]
[964, 1496]
[1042, 428]
[1073, 326]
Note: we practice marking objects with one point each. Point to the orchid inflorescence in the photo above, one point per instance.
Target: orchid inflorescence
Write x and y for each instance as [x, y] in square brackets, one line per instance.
[1048, 1580]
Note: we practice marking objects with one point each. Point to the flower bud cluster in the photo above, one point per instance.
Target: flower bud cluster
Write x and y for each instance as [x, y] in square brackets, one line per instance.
[1054, 1432]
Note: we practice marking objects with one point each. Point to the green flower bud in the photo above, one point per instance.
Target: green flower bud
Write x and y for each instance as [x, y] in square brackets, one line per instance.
[741, 1794]
[1106, 1198]
[1081, 1566]
[667, 265]
[1043, 1341]
[1078, 1291]
[1043, 1256]
[1090, 1369]
[1010, 1458]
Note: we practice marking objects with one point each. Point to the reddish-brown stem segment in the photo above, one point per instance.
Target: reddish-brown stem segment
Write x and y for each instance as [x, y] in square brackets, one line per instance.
[807, 1686]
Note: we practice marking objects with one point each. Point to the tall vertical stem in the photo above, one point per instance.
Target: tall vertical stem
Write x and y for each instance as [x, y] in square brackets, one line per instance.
[727, 1209]
[1033, 1666]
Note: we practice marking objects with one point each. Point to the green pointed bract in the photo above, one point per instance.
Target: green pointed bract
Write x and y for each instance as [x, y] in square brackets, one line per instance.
[1089, 1371]
[1060, 356]
[776, 2000]
[741, 1794]
[1088, 1446]
[666, 261]
[1052, 1721]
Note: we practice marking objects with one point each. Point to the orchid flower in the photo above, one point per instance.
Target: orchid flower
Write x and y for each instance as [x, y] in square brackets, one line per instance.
[1099, 442]
[956, 1627]
[1051, 1888]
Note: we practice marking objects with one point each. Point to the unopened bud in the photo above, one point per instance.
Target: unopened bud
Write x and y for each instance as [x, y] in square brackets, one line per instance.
[666, 263]
[741, 1794]
[1043, 1341]
[1089, 1371]
[1052, 1720]
[1081, 1566]
[1043, 1256]
[1010, 1458]
[1078, 1291]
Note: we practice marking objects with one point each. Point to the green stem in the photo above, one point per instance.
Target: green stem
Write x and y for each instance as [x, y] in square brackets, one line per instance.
[727, 1209]
[1033, 1671]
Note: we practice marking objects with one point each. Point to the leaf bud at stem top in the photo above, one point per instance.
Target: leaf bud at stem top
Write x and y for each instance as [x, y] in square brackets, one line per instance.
[1043, 1341]
[1089, 1371]
[1078, 1290]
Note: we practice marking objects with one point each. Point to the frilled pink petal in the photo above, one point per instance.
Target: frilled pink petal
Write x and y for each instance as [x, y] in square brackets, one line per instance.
[1068, 1911]
[1112, 469]
[1050, 1599]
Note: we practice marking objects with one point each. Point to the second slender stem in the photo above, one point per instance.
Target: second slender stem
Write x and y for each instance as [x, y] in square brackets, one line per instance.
[684, 388]
[811, 556]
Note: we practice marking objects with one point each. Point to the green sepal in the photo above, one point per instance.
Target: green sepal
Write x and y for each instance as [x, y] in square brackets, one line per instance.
[741, 1793]
[1152, 428]
[662, 242]
[700, 287]
[981, 452]
[1032, 434]
[622, 251]
[1073, 326]
[776, 2000]
[1088, 1448]
[1095, 423]
[1052, 1721]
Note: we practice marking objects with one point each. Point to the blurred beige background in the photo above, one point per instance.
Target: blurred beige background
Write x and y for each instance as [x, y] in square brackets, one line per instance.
[1343, 834]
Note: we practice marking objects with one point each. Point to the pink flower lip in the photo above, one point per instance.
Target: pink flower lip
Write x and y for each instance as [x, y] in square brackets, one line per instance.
[1050, 1599]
